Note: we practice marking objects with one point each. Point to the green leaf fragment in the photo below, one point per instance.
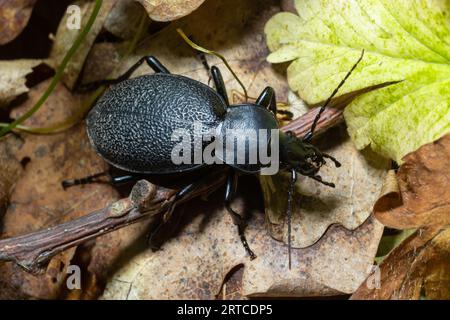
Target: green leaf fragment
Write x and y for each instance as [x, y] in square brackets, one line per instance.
[389, 243]
[406, 40]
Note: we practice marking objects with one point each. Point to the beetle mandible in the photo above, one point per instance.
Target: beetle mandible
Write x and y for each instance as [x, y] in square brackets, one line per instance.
[132, 124]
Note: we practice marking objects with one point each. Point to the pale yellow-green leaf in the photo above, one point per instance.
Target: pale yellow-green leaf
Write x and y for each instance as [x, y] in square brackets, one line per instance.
[405, 40]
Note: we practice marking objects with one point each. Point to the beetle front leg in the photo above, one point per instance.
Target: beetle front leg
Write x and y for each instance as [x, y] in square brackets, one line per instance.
[151, 61]
[230, 191]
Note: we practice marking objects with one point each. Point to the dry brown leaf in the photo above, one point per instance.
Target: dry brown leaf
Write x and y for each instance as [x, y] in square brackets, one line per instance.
[123, 18]
[316, 207]
[13, 77]
[14, 16]
[65, 37]
[193, 265]
[424, 189]
[10, 168]
[38, 199]
[419, 268]
[168, 10]
[101, 61]
[420, 198]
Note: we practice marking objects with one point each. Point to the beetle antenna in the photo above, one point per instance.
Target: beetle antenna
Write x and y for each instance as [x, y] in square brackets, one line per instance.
[309, 135]
[289, 212]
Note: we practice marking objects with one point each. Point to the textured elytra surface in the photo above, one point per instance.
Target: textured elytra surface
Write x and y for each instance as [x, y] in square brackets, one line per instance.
[132, 124]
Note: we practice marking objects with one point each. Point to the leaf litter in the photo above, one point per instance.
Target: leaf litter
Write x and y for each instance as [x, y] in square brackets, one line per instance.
[337, 250]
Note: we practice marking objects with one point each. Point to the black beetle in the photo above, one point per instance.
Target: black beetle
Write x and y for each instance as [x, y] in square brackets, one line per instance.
[132, 125]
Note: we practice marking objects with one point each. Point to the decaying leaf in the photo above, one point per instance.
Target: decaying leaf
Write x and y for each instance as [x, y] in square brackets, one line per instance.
[14, 16]
[424, 189]
[407, 41]
[65, 37]
[13, 77]
[417, 269]
[358, 184]
[101, 61]
[122, 19]
[168, 10]
[420, 266]
[11, 169]
[38, 199]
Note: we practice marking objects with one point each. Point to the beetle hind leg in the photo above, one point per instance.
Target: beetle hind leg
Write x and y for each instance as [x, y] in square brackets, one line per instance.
[151, 61]
[230, 190]
[102, 177]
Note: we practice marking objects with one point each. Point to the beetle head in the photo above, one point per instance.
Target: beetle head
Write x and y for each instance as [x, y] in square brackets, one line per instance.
[304, 157]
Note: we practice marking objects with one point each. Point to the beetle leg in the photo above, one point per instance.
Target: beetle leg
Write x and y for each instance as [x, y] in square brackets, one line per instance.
[183, 192]
[155, 64]
[102, 177]
[319, 179]
[289, 212]
[152, 62]
[230, 190]
[267, 100]
[219, 84]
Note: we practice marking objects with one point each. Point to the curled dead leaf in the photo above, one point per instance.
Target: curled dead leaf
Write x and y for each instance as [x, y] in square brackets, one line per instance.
[168, 10]
[417, 197]
[423, 195]
[419, 268]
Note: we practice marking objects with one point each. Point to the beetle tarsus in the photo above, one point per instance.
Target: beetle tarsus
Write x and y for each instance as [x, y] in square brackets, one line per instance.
[102, 177]
[230, 190]
[151, 61]
[319, 179]
[289, 213]
[86, 180]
